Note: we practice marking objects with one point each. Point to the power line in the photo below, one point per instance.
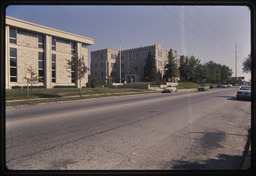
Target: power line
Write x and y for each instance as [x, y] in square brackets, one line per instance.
[192, 30]
[214, 38]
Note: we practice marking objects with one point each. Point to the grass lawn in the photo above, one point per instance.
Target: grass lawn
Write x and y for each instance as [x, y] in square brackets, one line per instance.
[64, 94]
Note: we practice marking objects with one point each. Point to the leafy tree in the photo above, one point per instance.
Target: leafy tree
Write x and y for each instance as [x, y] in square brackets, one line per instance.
[92, 81]
[171, 68]
[247, 64]
[34, 78]
[184, 70]
[226, 73]
[150, 72]
[79, 69]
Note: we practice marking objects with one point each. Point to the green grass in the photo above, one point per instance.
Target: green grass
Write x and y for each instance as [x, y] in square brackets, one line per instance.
[64, 94]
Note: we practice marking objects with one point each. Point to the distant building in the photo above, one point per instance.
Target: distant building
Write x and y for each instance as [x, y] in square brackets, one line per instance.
[105, 63]
[45, 50]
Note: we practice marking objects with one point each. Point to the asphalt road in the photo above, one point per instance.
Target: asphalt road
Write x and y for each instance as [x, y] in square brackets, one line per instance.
[179, 131]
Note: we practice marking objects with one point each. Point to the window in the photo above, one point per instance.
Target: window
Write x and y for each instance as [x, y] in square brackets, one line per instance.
[83, 45]
[102, 56]
[160, 63]
[27, 33]
[113, 56]
[72, 71]
[102, 74]
[135, 68]
[95, 65]
[128, 55]
[145, 54]
[95, 57]
[40, 41]
[41, 66]
[53, 43]
[135, 55]
[13, 35]
[13, 64]
[73, 47]
[102, 65]
[159, 53]
[54, 68]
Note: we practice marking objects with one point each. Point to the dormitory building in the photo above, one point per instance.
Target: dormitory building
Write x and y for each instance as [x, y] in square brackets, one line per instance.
[45, 50]
[106, 62]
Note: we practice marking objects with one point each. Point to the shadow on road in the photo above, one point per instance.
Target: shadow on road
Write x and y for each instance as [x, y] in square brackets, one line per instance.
[233, 98]
[221, 162]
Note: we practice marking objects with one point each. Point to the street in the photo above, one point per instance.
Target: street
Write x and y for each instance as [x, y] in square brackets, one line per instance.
[178, 131]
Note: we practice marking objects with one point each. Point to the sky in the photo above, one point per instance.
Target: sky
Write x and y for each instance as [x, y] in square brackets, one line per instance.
[206, 32]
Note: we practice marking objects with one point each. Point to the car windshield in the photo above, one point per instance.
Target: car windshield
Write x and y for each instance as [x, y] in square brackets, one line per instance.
[245, 88]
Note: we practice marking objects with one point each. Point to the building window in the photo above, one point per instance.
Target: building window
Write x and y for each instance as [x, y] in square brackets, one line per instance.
[95, 65]
[135, 55]
[13, 35]
[145, 54]
[27, 33]
[135, 68]
[160, 64]
[13, 64]
[102, 74]
[102, 65]
[72, 71]
[113, 56]
[128, 55]
[53, 43]
[159, 53]
[40, 41]
[83, 45]
[73, 47]
[95, 57]
[41, 66]
[102, 56]
[54, 68]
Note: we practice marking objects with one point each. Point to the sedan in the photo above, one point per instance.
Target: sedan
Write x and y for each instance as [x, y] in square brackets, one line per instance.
[170, 89]
[203, 87]
[244, 92]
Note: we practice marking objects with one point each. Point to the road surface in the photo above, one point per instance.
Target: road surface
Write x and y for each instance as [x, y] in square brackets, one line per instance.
[179, 131]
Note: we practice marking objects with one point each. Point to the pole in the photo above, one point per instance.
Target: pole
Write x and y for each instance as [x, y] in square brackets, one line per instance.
[120, 57]
[236, 61]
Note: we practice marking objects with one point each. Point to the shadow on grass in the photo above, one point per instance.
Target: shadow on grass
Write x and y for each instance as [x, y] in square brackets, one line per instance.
[44, 95]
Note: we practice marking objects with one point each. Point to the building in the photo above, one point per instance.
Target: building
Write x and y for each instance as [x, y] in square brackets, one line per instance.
[106, 63]
[45, 50]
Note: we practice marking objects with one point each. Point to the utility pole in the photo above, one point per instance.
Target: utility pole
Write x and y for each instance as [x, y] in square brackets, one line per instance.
[120, 57]
[236, 61]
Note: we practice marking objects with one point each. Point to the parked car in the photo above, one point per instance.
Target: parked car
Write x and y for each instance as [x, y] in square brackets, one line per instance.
[203, 87]
[219, 86]
[229, 85]
[170, 89]
[224, 86]
[244, 92]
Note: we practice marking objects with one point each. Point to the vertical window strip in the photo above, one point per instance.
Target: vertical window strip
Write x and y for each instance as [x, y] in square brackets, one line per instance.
[54, 68]
[13, 64]
[41, 66]
[72, 71]
[13, 36]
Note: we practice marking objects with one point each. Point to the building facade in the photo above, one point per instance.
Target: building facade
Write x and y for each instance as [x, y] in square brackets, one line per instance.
[43, 50]
[106, 63]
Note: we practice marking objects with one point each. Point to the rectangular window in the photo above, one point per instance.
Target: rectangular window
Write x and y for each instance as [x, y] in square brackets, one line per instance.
[41, 66]
[27, 33]
[160, 63]
[13, 36]
[102, 56]
[102, 74]
[159, 53]
[13, 64]
[135, 55]
[95, 57]
[145, 54]
[113, 56]
[128, 55]
[135, 68]
[72, 71]
[95, 65]
[73, 47]
[102, 65]
[40, 41]
[54, 68]
[53, 43]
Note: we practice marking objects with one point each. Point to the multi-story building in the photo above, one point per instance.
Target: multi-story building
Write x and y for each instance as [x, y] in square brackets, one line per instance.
[44, 50]
[106, 63]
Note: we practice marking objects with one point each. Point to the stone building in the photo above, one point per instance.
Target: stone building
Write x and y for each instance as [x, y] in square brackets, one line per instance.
[45, 50]
[106, 62]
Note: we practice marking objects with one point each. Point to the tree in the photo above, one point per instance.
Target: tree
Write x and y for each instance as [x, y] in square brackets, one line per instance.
[77, 66]
[184, 69]
[92, 81]
[171, 68]
[247, 64]
[33, 75]
[150, 72]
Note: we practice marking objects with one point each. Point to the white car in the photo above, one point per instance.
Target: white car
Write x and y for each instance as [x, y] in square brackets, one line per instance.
[244, 92]
[170, 89]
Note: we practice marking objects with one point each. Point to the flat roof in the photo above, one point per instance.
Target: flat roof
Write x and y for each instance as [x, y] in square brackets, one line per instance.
[47, 30]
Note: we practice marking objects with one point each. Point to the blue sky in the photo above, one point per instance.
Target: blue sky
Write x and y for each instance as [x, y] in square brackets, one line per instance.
[207, 32]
